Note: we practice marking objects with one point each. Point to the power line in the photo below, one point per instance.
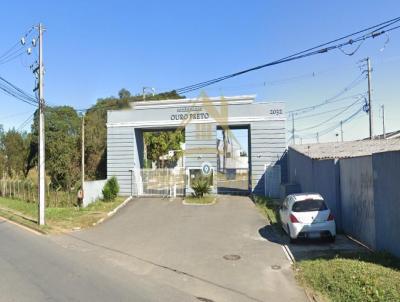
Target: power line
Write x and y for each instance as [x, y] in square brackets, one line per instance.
[5, 117]
[320, 113]
[319, 49]
[17, 92]
[335, 126]
[26, 122]
[331, 118]
[14, 51]
[334, 98]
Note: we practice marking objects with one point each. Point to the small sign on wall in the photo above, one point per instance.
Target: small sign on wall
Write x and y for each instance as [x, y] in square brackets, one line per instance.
[206, 169]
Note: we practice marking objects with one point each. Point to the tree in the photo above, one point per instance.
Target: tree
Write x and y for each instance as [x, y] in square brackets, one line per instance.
[2, 153]
[62, 144]
[15, 152]
[124, 94]
[96, 134]
[96, 131]
[159, 143]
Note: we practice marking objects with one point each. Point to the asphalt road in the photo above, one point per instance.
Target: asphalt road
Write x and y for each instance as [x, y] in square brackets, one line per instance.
[152, 250]
[35, 268]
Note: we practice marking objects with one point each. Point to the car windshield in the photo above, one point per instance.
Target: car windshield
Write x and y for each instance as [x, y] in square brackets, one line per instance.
[309, 205]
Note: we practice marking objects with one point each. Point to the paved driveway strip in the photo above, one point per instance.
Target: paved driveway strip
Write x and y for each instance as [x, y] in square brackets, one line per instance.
[184, 246]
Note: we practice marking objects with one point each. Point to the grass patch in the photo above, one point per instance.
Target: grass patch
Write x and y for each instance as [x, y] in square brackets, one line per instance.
[361, 277]
[57, 219]
[207, 199]
[269, 208]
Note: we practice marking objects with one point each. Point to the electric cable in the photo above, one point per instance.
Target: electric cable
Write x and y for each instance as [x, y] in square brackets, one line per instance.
[378, 30]
[329, 119]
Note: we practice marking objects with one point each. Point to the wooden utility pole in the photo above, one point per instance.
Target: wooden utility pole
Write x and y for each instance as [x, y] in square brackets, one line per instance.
[371, 132]
[341, 131]
[293, 138]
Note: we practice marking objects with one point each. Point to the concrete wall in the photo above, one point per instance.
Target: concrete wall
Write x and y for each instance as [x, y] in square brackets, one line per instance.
[356, 185]
[93, 191]
[386, 167]
[320, 176]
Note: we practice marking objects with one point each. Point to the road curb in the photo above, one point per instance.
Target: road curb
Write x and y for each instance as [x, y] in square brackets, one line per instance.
[111, 213]
[26, 227]
[199, 204]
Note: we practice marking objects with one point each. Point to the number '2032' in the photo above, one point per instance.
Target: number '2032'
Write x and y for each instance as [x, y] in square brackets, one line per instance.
[275, 111]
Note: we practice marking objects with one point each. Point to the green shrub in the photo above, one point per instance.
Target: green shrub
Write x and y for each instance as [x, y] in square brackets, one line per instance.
[111, 189]
[201, 185]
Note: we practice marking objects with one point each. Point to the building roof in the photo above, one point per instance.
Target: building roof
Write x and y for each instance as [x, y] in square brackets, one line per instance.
[389, 135]
[347, 149]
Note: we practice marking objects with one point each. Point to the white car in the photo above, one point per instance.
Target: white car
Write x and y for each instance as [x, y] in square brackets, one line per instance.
[306, 215]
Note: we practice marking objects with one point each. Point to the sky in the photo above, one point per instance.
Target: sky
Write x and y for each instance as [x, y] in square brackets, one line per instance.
[92, 49]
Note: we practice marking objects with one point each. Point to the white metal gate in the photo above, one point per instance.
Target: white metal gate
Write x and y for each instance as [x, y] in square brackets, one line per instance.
[160, 182]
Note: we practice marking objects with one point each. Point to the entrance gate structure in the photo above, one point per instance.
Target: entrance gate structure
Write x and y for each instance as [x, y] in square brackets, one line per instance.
[200, 118]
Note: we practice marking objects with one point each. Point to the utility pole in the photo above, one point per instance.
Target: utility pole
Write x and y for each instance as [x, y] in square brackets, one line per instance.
[317, 137]
[41, 161]
[341, 130]
[371, 133]
[83, 154]
[294, 139]
[383, 122]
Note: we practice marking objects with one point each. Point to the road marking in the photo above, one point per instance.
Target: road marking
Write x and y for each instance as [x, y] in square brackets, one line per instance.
[288, 253]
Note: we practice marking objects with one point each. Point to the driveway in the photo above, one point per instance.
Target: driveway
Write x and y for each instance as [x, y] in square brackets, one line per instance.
[183, 247]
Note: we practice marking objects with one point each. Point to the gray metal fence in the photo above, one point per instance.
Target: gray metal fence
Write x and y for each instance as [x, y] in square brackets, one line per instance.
[160, 182]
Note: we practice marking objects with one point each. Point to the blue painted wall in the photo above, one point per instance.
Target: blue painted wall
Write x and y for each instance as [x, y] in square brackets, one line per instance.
[357, 195]
[320, 176]
[363, 193]
[386, 167]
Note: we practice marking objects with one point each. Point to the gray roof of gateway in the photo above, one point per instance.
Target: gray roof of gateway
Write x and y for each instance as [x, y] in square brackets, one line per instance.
[347, 149]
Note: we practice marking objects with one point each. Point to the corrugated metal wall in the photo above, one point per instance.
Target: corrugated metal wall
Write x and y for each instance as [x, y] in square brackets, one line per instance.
[320, 176]
[356, 185]
[363, 192]
[386, 168]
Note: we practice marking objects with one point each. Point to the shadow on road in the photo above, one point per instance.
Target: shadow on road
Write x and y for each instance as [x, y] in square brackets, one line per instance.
[311, 248]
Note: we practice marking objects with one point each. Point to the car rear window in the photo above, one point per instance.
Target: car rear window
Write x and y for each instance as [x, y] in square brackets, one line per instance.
[309, 205]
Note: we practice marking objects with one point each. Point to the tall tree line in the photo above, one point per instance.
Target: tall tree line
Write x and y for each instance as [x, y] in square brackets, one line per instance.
[18, 151]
